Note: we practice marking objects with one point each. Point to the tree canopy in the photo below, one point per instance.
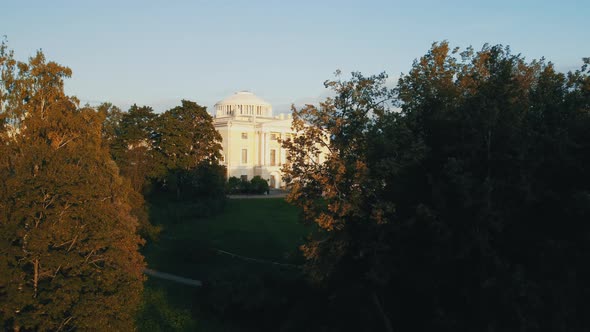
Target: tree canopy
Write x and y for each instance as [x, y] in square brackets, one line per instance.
[457, 200]
[68, 242]
[186, 137]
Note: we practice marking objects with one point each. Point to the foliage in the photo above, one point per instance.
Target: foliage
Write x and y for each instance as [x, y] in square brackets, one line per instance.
[207, 181]
[257, 185]
[339, 195]
[465, 210]
[171, 153]
[233, 185]
[111, 125]
[186, 137]
[238, 294]
[128, 137]
[132, 145]
[68, 241]
[188, 145]
[157, 314]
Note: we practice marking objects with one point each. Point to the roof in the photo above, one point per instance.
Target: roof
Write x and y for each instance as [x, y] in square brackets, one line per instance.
[243, 98]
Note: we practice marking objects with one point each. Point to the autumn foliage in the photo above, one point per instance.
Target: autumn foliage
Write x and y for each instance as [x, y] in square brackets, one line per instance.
[68, 244]
[456, 200]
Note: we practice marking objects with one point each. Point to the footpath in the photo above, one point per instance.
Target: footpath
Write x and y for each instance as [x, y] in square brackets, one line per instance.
[174, 278]
[274, 193]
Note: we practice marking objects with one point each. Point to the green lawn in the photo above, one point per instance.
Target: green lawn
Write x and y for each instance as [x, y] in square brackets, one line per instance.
[260, 228]
[265, 229]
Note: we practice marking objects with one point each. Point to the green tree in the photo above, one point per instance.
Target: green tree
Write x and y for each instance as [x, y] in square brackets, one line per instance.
[68, 247]
[112, 120]
[338, 194]
[132, 146]
[492, 195]
[186, 138]
[129, 137]
[341, 195]
[464, 210]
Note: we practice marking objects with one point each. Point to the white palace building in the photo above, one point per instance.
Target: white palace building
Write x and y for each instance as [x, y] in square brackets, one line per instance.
[250, 132]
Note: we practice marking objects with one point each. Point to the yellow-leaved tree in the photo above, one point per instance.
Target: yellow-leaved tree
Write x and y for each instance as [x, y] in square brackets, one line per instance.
[69, 255]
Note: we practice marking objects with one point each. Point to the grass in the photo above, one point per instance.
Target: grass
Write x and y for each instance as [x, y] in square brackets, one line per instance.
[261, 228]
[265, 229]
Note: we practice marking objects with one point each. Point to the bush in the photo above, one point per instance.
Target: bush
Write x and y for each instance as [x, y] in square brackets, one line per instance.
[257, 185]
[158, 314]
[233, 185]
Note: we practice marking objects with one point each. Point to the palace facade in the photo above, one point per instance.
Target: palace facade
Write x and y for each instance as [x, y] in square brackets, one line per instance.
[250, 135]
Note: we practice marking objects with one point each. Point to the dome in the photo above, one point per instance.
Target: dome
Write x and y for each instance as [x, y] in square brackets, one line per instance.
[243, 103]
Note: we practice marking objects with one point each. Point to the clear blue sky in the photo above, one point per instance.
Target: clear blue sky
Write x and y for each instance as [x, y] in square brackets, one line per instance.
[158, 52]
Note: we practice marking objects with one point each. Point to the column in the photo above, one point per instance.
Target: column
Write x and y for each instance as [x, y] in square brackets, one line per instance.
[264, 150]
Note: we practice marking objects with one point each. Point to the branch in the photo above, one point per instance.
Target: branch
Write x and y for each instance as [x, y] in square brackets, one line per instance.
[386, 320]
[64, 323]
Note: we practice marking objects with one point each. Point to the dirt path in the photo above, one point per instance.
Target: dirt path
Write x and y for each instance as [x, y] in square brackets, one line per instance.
[274, 193]
[174, 278]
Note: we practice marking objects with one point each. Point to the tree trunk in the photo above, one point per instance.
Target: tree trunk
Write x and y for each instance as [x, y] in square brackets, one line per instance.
[35, 276]
[386, 321]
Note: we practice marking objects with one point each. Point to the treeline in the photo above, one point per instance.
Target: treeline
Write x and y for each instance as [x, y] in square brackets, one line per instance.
[73, 190]
[459, 200]
[174, 155]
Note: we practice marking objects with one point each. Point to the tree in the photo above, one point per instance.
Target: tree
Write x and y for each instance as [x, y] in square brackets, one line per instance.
[186, 136]
[464, 210]
[112, 121]
[68, 242]
[340, 195]
[185, 139]
[485, 187]
[132, 146]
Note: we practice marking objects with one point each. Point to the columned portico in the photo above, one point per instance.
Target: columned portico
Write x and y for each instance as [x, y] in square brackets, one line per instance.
[250, 137]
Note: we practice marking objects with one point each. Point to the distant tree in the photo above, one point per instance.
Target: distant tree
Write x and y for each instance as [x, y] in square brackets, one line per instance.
[129, 138]
[207, 181]
[132, 146]
[112, 121]
[68, 242]
[186, 138]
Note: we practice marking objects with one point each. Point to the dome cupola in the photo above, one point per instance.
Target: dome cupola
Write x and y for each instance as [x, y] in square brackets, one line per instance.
[243, 103]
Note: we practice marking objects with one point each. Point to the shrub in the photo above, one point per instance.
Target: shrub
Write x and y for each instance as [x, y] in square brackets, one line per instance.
[258, 185]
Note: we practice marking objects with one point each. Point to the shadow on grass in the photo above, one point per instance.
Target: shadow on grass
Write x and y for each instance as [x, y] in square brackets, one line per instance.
[253, 295]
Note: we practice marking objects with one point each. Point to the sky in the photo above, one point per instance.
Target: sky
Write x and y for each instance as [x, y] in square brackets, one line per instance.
[157, 53]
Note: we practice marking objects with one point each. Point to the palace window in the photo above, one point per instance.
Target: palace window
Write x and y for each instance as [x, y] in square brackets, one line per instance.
[244, 156]
[273, 157]
[244, 177]
[244, 135]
